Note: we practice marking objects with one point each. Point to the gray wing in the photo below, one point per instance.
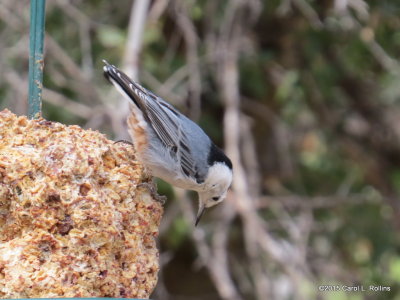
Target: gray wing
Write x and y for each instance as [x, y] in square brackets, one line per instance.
[163, 118]
[166, 122]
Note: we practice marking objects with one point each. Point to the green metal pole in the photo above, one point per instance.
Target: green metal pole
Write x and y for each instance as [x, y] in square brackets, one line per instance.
[36, 58]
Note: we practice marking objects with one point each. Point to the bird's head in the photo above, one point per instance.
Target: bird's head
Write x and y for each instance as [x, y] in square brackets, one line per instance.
[217, 182]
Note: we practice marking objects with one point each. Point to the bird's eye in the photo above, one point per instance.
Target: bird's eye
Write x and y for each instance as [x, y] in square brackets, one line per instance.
[215, 198]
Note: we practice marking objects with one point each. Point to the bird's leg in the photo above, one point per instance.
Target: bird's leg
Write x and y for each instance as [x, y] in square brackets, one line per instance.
[124, 141]
[150, 186]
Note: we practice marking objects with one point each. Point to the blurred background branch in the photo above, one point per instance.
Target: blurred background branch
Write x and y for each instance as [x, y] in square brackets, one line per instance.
[303, 95]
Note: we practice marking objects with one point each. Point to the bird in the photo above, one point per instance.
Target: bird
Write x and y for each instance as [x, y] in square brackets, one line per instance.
[171, 146]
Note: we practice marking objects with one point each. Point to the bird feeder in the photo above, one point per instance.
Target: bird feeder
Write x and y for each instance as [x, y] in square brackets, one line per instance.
[76, 217]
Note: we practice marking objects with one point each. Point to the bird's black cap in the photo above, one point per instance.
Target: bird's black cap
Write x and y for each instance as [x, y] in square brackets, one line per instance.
[217, 155]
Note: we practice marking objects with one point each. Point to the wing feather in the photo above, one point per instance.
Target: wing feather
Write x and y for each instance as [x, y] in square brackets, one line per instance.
[170, 132]
[162, 117]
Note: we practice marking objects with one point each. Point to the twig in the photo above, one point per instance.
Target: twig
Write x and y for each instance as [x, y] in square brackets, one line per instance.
[81, 83]
[309, 13]
[168, 94]
[130, 62]
[257, 239]
[69, 105]
[157, 10]
[190, 36]
[136, 26]
[216, 263]
[84, 25]
[50, 96]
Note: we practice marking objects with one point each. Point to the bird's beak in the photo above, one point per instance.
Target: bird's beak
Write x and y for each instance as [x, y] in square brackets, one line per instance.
[202, 208]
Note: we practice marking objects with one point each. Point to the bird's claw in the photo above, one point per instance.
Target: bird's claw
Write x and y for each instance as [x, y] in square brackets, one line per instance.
[153, 192]
[124, 141]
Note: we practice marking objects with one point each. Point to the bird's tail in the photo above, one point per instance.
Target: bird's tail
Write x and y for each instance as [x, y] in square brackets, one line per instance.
[127, 87]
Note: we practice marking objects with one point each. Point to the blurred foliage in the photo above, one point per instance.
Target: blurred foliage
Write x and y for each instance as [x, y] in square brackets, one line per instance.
[320, 84]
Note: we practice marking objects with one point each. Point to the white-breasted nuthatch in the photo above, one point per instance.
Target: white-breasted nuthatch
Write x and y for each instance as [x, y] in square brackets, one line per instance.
[171, 146]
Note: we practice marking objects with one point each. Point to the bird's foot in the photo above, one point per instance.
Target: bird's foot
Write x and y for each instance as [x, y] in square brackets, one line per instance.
[124, 141]
[153, 192]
